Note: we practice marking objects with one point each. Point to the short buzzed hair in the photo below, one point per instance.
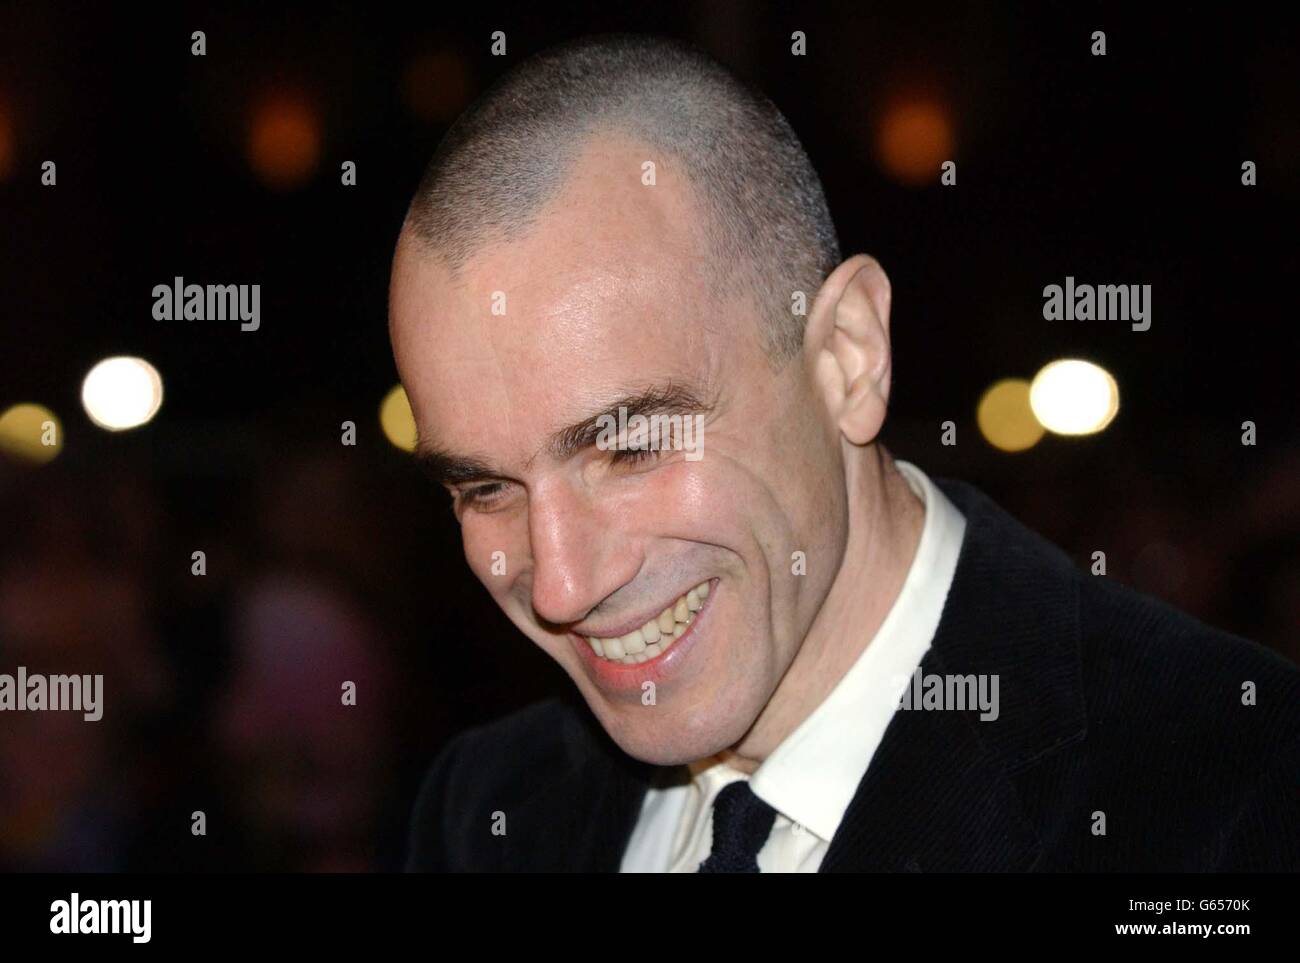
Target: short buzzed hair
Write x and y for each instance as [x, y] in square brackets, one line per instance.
[511, 151]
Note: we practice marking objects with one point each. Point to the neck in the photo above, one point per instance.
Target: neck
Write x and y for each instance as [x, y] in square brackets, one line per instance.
[884, 530]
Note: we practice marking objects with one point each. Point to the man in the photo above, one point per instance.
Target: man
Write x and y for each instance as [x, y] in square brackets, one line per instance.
[756, 620]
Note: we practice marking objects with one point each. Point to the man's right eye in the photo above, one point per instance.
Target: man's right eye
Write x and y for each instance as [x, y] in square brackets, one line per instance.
[480, 495]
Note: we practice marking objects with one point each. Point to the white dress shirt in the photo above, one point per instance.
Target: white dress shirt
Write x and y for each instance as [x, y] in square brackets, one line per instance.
[811, 777]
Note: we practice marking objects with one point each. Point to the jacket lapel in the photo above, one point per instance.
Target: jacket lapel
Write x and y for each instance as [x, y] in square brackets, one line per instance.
[581, 821]
[939, 794]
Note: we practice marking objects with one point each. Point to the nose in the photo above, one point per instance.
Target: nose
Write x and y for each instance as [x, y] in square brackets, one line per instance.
[577, 557]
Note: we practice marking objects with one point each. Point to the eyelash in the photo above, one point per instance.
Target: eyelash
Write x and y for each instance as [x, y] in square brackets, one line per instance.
[486, 494]
[482, 495]
[633, 456]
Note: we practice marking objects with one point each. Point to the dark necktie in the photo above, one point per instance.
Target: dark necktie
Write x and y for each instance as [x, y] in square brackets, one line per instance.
[741, 824]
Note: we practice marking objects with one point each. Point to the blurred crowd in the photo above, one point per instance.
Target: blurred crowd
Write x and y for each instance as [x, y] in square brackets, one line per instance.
[229, 738]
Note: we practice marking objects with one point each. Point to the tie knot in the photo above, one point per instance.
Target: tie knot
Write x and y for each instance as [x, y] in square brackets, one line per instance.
[741, 824]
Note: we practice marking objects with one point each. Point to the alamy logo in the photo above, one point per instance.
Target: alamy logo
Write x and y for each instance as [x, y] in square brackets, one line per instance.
[76, 693]
[657, 432]
[1103, 302]
[953, 692]
[179, 301]
[133, 916]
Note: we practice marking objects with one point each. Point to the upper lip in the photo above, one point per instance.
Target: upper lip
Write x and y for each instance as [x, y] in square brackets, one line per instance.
[623, 628]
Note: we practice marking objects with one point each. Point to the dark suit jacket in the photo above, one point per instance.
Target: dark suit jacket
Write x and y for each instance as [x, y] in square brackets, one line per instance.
[1110, 702]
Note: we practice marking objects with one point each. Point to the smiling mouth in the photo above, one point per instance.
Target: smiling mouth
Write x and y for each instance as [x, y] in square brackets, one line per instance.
[655, 637]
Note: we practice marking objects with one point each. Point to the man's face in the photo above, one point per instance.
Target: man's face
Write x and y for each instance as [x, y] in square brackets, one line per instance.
[607, 298]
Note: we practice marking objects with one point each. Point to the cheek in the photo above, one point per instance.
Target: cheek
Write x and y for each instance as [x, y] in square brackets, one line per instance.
[683, 500]
[733, 485]
[492, 550]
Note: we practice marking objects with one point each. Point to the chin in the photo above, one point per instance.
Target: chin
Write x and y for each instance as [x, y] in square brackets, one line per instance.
[661, 737]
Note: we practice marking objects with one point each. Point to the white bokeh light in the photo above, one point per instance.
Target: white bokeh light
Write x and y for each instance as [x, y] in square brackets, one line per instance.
[1074, 397]
[121, 393]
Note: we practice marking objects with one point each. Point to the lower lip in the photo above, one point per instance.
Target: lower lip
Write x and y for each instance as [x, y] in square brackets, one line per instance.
[616, 676]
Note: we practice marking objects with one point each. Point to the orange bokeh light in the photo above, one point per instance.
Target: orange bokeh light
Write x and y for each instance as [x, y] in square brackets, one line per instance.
[8, 145]
[284, 141]
[914, 138]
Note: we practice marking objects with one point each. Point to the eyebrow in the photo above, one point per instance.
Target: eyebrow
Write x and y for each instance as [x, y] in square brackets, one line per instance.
[445, 468]
[671, 398]
[666, 399]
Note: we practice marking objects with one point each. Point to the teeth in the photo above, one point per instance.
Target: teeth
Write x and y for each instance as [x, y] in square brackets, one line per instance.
[656, 636]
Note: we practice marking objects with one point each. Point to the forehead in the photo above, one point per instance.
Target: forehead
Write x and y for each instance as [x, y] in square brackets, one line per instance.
[608, 287]
[605, 233]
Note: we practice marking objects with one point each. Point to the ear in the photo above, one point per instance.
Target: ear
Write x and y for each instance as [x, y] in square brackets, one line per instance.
[846, 341]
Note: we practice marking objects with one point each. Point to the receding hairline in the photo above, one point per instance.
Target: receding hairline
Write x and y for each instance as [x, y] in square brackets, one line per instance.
[604, 136]
[755, 197]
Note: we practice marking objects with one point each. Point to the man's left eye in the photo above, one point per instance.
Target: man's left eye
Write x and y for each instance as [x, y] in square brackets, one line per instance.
[634, 456]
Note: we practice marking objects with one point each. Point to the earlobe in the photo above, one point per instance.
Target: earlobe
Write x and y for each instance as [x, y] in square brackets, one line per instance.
[862, 413]
[849, 340]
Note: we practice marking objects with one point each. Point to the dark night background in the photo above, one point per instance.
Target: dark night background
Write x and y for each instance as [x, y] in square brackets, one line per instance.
[328, 562]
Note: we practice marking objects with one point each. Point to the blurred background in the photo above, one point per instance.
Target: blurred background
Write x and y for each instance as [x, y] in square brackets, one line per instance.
[329, 562]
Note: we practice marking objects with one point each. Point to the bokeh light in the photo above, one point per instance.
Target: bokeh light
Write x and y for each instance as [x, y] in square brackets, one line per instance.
[914, 138]
[30, 433]
[284, 141]
[396, 419]
[1074, 397]
[122, 392]
[1005, 419]
[8, 144]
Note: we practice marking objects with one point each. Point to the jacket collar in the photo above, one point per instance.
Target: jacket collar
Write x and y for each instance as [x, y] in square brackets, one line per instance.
[938, 794]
